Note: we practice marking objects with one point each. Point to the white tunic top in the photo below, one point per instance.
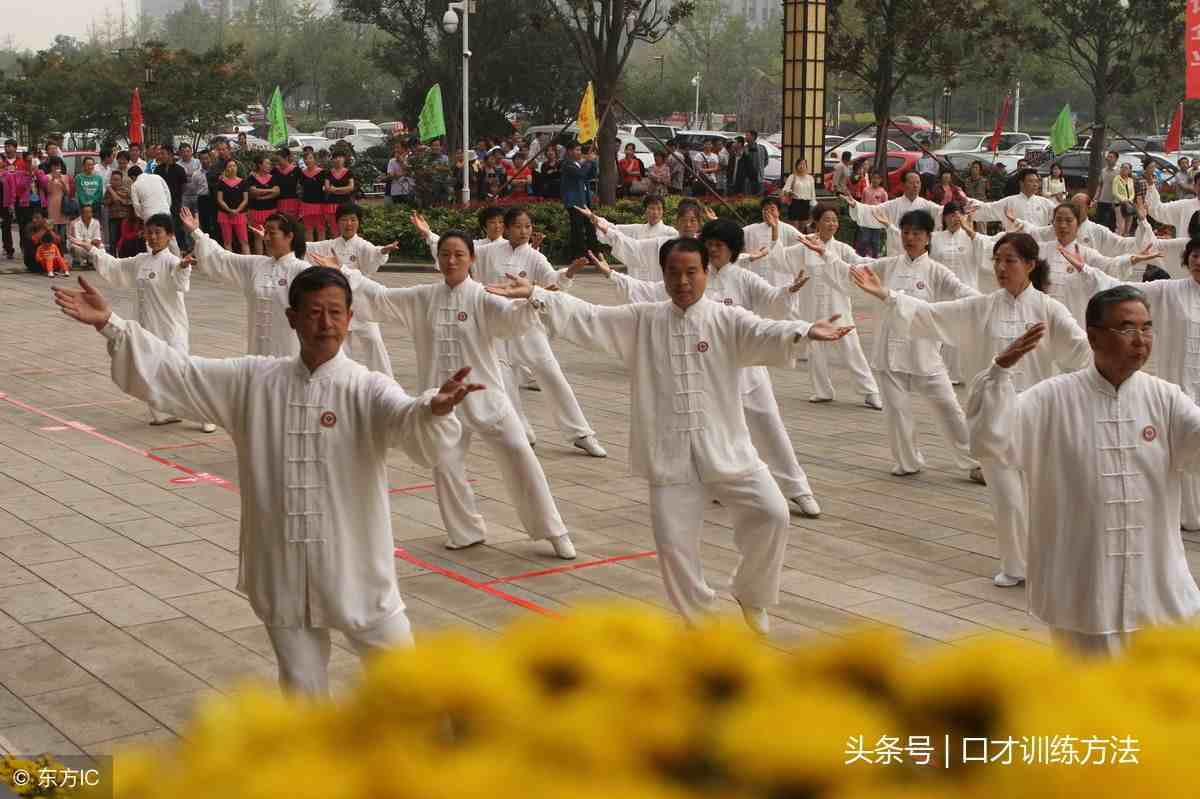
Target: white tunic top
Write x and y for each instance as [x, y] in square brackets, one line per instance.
[828, 290]
[159, 285]
[644, 230]
[1177, 213]
[686, 414]
[496, 259]
[1072, 293]
[1102, 468]
[264, 281]
[316, 545]
[435, 238]
[985, 325]
[453, 328]
[895, 209]
[1037, 209]
[150, 195]
[758, 235]
[1098, 237]
[640, 256]
[922, 277]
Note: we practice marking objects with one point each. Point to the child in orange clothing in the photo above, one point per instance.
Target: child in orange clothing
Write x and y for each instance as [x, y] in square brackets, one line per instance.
[50, 257]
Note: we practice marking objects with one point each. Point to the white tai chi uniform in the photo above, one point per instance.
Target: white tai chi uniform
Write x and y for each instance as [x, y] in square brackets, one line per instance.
[827, 293]
[434, 238]
[688, 433]
[1102, 467]
[734, 286]
[453, 328]
[316, 548]
[986, 325]
[159, 285]
[1069, 291]
[903, 366]
[640, 256]
[1177, 213]
[895, 209]
[1175, 309]
[364, 342]
[1096, 236]
[149, 195]
[532, 349]
[1034, 207]
[264, 282]
[758, 236]
[644, 230]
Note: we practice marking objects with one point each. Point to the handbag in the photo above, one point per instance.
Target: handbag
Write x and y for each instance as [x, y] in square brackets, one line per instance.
[70, 207]
[639, 187]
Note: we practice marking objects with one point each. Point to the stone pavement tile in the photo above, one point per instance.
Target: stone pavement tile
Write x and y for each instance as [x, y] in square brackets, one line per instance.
[139, 740]
[927, 596]
[913, 568]
[187, 640]
[11, 573]
[984, 588]
[227, 673]
[223, 534]
[118, 552]
[145, 494]
[1000, 617]
[166, 580]
[830, 545]
[75, 636]
[907, 545]
[11, 488]
[226, 578]
[71, 491]
[77, 575]
[73, 528]
[91, 713]
[37, 601]
[176, 712]
[128, 605]
[34, 506]
[38, 738]
[137, 672]
[107, 511]
[427, 618]
[828, 592]
[930, 623]
[35, 548]
[38, 668]
[815, 615]
[152, 532]
[199, 556]
[221, 610]
[183, 513]
[12, 527]
[13, 634]
[980, 565]
[13, 711]
[832, 568]
[978, 544]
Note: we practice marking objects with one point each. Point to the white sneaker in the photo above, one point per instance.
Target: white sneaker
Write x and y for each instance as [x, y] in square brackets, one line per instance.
[818, 398]
[804, 506]
[563, 547]
[756, 618]
[1003, 580]
[591, 446]
[451, 545]
[873, 401]
[208, 427]
[901, 472]
[531, 437]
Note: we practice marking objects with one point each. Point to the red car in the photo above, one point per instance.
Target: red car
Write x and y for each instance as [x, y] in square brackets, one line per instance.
[911, 124]
[899, 164]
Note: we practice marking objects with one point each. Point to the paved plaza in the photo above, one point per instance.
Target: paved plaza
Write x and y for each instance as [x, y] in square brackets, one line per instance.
[118, 541]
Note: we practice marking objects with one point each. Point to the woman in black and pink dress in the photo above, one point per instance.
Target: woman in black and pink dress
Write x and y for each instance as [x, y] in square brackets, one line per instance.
[339, 189]
[287, 177]
[312, 198]
[264, 200]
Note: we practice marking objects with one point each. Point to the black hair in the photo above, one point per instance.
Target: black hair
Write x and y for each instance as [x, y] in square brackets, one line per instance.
[951, 208]
[313, 279]
[1024, 173]
[13, 142]
[52, 162]
[134, 171]
[921, 220]
[727, 232]
[162, 221]
[1073, 208]
[186, 144]
[768, 200]
[1192, 245]
[514, 213]
[47, 238]
[1153, 273]
[348, 209]
[293, 226]
[488, 214]
[283, 152]
[1098, 304]
[460, 235]
[825, 208]
[87, 158]
[1027, 249]
[846, 155]
[215, 140]
[684, 245]
[264, 157]
[688, 205]
[653, 199]
[170, 148]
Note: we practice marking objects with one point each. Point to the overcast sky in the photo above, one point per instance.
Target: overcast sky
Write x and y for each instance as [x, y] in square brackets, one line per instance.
[38, 23]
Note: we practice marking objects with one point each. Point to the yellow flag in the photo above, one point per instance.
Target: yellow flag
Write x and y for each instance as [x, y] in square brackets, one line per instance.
[587, 115]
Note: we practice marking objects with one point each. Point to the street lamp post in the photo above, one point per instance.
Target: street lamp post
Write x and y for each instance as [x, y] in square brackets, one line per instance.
[450, 25]
[696, 83]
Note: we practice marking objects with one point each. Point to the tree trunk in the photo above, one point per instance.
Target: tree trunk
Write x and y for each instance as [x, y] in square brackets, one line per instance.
[607, 140]
[1100, 120]
[883, 118]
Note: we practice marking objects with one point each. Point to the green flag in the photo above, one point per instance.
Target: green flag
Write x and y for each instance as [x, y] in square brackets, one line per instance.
[1062, 133]
[432, 122]
[278, 134]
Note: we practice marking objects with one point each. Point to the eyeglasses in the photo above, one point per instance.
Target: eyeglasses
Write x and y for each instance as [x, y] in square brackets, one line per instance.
[1129, 332]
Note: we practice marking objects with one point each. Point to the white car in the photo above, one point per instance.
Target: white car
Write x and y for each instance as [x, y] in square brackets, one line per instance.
[361, 134]
[857, 146]
[298, 141]
[980, 142]
[644, 153]
[774, 170]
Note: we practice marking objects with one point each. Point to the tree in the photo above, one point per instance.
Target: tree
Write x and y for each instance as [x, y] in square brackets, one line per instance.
[603, 33]
[879, 46]
[1113, 46]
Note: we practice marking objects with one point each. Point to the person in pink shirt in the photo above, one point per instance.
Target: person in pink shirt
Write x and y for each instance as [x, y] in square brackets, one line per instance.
[867, 242]
[946, 192]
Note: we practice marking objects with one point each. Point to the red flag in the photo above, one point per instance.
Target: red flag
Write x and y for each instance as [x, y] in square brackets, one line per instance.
[135, 119]
[1176, 131]
[1003, 115]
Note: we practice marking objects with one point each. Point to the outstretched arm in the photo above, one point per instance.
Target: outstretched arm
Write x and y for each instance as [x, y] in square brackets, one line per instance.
[610, 329]
[213, 260]
[423, 426]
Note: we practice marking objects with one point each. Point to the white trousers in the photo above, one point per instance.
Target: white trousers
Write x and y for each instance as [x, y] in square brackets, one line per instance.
[1189, 517]
[303, 652]
[951, 356]
[770, 438]
[523, 477]
[760, 533]
[533, 350]
[856, 362]
[897, 389]
[1010, 513]
[1103, 645]
[365, 345]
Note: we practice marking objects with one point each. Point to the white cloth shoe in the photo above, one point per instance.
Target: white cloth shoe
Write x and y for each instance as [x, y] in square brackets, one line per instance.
[819, 398]
[756, 618]
[873, 401]
[208, 427]
[591, 446]
[531, 437]
[1003, 580]
[900, 472]
[563, 547]
[804, 506]
[468, 545]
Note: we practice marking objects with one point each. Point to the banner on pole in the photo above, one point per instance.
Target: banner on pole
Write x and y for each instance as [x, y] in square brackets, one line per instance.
[432, 123]
[1191, 47]
[587, 115]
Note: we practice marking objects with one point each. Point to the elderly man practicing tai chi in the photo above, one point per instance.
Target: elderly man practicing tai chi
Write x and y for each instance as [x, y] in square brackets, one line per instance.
[1104, 451]
[689, 437]
[312, 433]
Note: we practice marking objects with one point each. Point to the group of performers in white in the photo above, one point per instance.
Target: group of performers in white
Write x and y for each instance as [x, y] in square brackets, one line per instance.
[1092, 465]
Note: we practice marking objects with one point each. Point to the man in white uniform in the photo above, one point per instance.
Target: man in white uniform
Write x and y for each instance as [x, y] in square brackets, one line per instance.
[1029, 204]
[364, 343]
[653, 227]
[689, 436]
[640, 256]
[1103, 451]
[313, 434]
[769, 231]
[895, 210]
[150, 196]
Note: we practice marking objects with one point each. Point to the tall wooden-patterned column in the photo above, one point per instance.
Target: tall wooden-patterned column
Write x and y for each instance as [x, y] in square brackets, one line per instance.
[804, 83]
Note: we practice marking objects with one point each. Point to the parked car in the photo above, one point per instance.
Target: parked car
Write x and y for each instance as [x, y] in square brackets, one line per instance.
[773, 174]
[1075, 166]
[1034, 151]
[899, 164]
[855, 147]
[911, 124]
[298, 141]
[664, 133]
[361, 134]
[394, 128]
[695, 139]
[980, 142]
[74, 159]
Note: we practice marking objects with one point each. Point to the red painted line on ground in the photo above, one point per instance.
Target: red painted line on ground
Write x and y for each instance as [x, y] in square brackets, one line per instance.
[404, 554]
[572, 567]
[422, 487]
